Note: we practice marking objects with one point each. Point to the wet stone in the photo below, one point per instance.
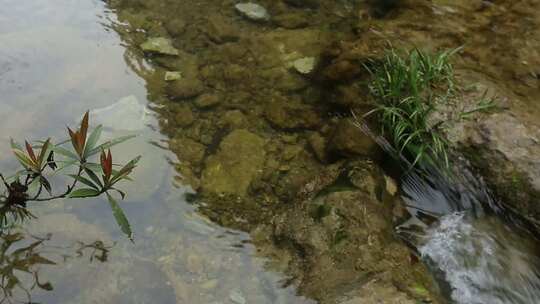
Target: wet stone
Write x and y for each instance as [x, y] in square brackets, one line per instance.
[159, 45]
[252, 11]
[184, 116]
[237, 163]
[318, 145]
[291, 114]
[235, 119]
[175, 26]
[206, 101]
[187, 149]
[291, 20]
[185, 88]
[221, 30]
[348, 140]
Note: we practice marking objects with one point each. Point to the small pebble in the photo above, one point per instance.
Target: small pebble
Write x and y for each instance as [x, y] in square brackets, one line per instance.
[252, 11]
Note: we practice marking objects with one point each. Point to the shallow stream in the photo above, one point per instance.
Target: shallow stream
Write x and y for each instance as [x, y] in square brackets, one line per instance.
[248, 236]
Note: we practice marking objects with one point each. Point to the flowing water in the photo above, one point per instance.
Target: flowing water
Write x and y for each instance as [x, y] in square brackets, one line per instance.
[478, 254]
[59, 58]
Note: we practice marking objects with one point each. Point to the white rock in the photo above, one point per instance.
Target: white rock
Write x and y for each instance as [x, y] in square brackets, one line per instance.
[252, 11]
[159, 45]
[171, 76]
[304, 65]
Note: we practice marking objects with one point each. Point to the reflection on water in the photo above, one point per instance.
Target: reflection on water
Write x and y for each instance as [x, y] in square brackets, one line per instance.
[57, 59]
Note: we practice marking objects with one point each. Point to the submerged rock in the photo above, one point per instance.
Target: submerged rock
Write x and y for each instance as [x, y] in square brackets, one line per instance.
[237, 163]
[348, 140]
[185, 88]
[291, 114]
[252, 11]
[206, 101]
[291, 20]
[159, 45]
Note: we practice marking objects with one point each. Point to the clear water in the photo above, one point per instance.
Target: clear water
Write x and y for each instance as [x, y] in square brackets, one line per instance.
[59, 58]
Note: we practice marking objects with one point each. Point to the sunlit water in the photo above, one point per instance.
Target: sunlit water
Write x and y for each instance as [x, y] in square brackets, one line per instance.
[58, 59]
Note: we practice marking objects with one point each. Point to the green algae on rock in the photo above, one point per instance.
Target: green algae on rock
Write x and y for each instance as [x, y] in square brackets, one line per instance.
[237, 163]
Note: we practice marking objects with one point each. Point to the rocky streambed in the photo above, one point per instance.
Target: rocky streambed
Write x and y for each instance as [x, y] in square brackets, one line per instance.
[255, 101]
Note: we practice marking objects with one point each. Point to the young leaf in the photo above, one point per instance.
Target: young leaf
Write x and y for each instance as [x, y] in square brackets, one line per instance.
[43, 152]
[83, 131]
[30, 151]
[75, 141]
[120, 217]
[106, 166]
[84, 192]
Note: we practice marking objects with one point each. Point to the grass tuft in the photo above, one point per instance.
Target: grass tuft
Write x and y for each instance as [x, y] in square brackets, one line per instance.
[406, 87]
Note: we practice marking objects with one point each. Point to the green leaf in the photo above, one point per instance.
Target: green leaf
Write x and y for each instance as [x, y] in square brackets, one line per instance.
[45, 183]
[65, 152]
[124, 172]
[109, 144]
[84, 192]
[120, 217]
[93, 176]
[92, 140]
[84, 181]
[66, 164]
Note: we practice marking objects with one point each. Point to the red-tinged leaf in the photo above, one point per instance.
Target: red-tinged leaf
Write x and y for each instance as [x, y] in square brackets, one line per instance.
[84, 129]
[74, 140]
[43, 152]
[106, 165]
[30, 151]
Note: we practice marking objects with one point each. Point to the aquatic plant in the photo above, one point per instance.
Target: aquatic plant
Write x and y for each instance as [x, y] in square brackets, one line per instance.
[407, 87]
[80, 152]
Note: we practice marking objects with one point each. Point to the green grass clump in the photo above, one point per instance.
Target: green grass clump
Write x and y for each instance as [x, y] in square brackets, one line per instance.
[406, 87]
